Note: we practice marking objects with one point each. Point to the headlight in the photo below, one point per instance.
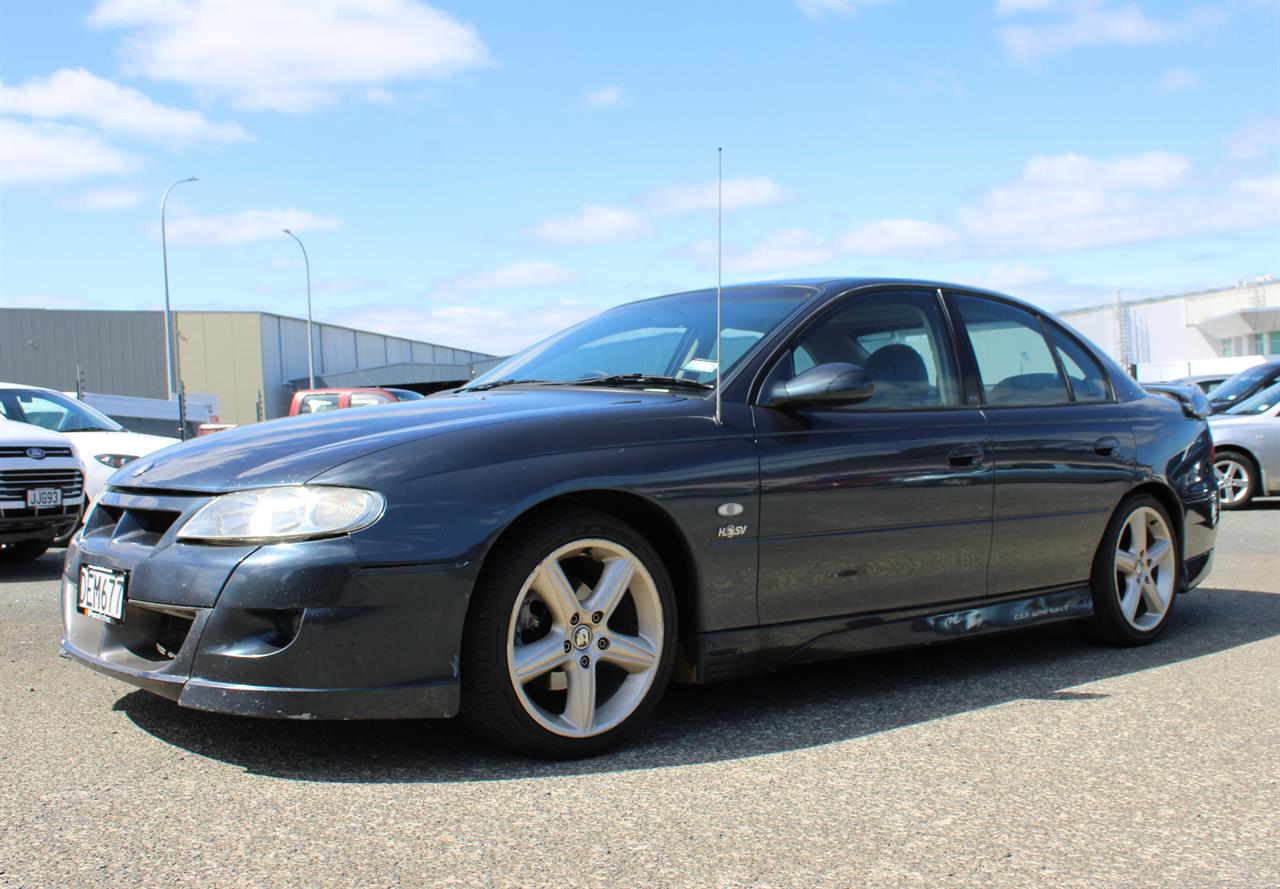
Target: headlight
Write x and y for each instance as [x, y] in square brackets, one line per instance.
[115, 461]
[273, 515]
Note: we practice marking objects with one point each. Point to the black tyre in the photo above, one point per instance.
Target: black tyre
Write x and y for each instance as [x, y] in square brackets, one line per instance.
[25, 551]
[1136, 574]
[1237, 478]
[570, 639]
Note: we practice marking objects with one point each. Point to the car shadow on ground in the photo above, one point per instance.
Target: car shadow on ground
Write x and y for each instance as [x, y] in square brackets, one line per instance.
[47, 567]
[792, 709]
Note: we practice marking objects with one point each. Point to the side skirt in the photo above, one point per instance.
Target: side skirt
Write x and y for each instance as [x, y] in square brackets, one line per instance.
[726, 654]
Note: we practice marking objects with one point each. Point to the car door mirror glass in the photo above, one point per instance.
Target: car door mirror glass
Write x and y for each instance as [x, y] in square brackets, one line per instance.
[833, 384]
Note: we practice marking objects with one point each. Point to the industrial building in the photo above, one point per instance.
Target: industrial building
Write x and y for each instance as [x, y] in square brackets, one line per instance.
[1208, 331]
[251, 361]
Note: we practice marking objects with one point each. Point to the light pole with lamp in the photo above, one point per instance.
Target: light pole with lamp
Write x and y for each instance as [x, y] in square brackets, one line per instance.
[311, 371]
[170, 337]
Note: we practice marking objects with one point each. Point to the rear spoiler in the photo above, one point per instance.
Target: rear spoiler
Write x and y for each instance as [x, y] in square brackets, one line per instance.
[1190, 397]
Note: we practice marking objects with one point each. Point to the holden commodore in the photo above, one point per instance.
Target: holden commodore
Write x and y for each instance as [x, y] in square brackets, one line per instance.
[884, 463]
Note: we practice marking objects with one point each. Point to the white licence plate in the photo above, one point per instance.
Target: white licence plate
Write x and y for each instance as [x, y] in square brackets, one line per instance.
[102, 592]
[43, 498]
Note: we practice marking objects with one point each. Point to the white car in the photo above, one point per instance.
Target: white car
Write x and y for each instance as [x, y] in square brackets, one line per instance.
[1246, 444]
[104, 444]
[41, 490]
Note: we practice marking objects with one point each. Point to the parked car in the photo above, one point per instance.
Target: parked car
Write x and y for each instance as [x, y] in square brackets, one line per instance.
[1246, 443]
[316, 401]
[104, 444]
[1205, 382]
[41, 490]
[1245, 384]
[886, 463]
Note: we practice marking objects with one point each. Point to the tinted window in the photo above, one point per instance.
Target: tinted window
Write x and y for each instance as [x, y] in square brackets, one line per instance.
[1014, 360]
[54, 411]
[899, 337]
[364, 399]
[1088, 383]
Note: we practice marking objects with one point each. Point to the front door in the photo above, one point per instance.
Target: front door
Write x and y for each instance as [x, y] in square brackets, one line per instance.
[884, 504]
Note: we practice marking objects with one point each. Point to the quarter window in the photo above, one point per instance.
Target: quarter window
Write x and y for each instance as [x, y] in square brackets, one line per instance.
[1088, 382]
[899, 337]
[1014, 359]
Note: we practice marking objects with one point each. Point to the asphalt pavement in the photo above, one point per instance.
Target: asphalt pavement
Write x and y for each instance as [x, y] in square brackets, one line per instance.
[1025, 760]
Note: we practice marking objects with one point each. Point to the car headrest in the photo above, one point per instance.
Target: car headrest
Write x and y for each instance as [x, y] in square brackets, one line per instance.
[897, 363]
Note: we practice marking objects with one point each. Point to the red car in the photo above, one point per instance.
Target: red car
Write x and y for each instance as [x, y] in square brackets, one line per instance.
[314, 401]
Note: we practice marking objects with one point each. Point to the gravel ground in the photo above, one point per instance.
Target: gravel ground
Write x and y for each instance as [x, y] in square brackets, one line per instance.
[1024, 760]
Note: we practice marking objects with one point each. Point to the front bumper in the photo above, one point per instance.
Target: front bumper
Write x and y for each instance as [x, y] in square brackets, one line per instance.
[297, 630]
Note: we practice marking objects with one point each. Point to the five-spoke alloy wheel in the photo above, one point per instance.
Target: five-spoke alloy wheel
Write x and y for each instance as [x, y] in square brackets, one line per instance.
[1235, 475]
[570, 641]
[1135, 573]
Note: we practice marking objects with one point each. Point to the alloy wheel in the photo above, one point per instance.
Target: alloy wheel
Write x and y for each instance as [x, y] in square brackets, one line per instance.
[1234, 481]
[585, 638]
[1145, 568]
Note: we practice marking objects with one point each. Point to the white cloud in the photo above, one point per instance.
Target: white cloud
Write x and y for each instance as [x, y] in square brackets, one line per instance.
[1098, 23]
[901, 237]
[49, 152]
[604, 97]
[479, 325]
[242, 227]
[537, 273]
[290, 56]
[739, 193]
[79, 95]
[594, 224]
[820, 9]
[1255, 138]
[1016, 276]
[1177, 80]
[104, 199]
[1069, 202]
[1153, 170]
[1005, 8]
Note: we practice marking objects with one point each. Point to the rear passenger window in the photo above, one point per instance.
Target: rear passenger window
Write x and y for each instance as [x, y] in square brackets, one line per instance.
[1014, 359]
[1088, 382]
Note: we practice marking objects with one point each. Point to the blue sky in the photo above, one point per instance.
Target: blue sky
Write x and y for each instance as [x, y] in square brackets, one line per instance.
[482, 174]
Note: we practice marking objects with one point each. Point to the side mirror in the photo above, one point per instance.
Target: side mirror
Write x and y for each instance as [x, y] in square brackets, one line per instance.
[831, 384]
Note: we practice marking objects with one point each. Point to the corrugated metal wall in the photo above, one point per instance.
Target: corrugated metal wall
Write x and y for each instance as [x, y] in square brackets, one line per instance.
[121, 353]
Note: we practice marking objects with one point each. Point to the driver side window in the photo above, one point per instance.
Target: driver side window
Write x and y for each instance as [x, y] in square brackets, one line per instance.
[899, 337]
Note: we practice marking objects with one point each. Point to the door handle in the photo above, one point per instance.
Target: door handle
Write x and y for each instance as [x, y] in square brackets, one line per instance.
[1107, 446]
[967, 456]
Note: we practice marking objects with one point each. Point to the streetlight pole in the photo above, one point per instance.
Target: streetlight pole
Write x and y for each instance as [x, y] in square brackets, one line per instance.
[170, 335]
[168, 318]
[311, 371]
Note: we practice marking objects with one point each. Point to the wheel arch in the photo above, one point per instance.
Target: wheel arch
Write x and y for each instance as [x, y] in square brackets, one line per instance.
[651, 520]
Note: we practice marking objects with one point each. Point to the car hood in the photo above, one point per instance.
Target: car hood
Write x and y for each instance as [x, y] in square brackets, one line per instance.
[293, 450]
[133, 444]
[27, 435]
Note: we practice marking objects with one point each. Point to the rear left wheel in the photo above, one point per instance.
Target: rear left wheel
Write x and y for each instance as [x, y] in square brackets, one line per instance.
[1236, 479]
[570, 641]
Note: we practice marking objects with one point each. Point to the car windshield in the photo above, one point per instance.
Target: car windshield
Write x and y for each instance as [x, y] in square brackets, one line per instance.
[670, 337]
[1257, 404]
[1233, 387]
[53, 410]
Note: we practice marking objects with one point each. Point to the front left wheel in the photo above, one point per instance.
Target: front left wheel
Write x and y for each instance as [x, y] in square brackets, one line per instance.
[570, 639]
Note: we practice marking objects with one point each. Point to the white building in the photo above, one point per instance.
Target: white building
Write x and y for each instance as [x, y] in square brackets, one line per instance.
[1212, 331]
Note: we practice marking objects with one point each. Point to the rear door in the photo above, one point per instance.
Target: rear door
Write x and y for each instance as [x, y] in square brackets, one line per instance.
[884, 504]
[1063, 450]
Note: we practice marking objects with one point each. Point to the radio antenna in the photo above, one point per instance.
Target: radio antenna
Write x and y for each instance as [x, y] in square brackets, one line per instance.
[719, 269]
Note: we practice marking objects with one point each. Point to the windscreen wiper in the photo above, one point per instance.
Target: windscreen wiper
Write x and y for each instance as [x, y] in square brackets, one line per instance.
[496, 383]
[644, 380]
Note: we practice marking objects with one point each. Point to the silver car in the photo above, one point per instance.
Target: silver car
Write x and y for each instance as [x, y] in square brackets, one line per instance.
[1246, 441]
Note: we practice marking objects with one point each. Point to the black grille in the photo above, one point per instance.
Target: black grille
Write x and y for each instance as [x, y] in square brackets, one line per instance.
[14, 483]
[21, 451]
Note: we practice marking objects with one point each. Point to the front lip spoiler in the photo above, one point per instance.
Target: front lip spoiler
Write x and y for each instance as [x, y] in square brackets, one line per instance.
[422, 701]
